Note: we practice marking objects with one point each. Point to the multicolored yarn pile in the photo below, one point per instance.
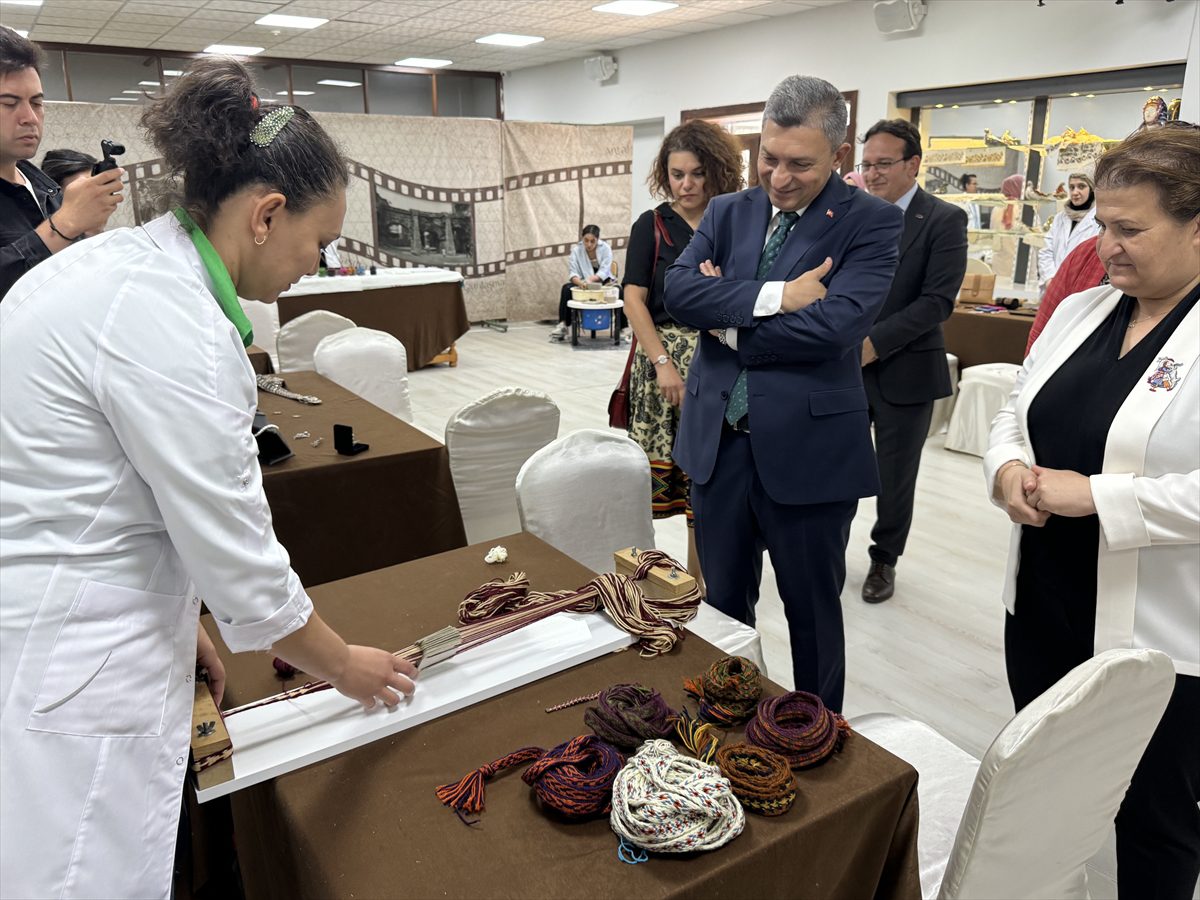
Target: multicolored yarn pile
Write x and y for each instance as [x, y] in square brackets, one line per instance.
[627, 714]
[760, 778]
[574, 779]
[697, 737]
[798, 727]
[666, 802]
[728, 692]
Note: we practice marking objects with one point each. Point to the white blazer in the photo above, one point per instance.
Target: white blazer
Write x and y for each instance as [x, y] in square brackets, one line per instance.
[1062, 239]
[1147, 494]
[129, 488]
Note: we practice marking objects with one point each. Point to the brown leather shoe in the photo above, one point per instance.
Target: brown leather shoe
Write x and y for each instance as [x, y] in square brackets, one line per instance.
[880, 583]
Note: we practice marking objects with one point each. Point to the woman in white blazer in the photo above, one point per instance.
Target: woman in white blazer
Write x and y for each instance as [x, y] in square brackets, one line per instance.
[130, 489]
[1096, 459]
[1072, 225]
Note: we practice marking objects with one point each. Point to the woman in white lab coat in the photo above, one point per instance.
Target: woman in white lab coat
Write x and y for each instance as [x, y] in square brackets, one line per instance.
[130, 488]
[1096, 459]
[1072, 225]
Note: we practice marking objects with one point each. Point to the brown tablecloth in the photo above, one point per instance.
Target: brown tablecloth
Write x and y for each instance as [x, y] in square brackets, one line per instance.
[425, 318]
[342, 515]
[260, 360]
[986, 337]
[367, 823]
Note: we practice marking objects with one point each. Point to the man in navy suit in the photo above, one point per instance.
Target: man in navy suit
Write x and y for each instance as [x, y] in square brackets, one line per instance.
[784, 282]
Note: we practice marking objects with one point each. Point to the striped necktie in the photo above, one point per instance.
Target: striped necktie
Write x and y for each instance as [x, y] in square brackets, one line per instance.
[739, 401]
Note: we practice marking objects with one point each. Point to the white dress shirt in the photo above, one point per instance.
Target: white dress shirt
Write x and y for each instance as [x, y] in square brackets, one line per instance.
[770, 295]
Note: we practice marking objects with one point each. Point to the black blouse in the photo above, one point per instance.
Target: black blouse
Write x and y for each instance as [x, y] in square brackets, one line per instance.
[1069, 421]
[640, 261]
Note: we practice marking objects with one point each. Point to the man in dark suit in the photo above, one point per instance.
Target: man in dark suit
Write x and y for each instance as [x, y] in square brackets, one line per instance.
[904, 357]
[784, 281]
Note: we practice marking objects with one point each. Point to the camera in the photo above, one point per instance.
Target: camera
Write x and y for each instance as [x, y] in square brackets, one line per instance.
[108, 149]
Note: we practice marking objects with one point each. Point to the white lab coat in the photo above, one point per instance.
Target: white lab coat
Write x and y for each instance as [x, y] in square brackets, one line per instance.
[1062, 239]
[1147, 494]
[129, 487]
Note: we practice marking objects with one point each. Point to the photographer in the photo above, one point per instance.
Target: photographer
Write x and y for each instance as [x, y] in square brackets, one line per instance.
[37, 217]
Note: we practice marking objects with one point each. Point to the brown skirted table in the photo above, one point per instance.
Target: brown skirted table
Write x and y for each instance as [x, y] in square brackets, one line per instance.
[426, 318]
[986, 337]
[342, 515]
[367, 823]
[260, 360]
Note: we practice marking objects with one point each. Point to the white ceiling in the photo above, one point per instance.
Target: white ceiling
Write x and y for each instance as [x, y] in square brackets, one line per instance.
[383, 31]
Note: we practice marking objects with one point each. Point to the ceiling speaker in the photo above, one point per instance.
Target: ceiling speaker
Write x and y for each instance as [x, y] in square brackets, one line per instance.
[600, 68]
[896, 16]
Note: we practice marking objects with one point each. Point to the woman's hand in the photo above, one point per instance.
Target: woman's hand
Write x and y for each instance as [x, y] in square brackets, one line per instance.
[1016, 483]
[593, 279]
[708, 270]
[206, 658]
[1062, 492]
[370, 674]
[670, 383]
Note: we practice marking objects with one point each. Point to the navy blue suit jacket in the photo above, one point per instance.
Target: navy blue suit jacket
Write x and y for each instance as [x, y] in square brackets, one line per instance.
[809, 428]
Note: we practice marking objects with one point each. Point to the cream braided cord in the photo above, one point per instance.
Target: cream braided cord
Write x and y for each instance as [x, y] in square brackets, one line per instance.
[666, 802]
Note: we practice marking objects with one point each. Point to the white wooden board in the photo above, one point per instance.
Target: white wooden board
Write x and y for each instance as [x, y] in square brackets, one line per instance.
[273, 740]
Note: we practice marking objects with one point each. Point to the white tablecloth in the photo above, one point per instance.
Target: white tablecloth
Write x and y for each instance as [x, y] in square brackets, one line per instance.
[342, 284]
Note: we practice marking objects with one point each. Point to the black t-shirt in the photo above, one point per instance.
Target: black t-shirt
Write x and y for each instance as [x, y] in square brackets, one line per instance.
[640, 264]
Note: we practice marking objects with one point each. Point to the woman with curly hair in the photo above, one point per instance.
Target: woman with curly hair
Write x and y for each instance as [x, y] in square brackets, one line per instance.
[697, 161]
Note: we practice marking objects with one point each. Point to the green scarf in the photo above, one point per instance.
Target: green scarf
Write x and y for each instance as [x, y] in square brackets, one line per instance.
[227, 297]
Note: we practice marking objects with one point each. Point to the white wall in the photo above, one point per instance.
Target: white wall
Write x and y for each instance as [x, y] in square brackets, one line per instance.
[960, 42]
[647, 137]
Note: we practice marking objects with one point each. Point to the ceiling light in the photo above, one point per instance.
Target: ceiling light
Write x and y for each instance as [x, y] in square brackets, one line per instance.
[21, 32]
[997, 100]
[232, 50]
[423, 62]
[21, 3]
[955, 106]
[139, 93]
[1148, 88]
[938, 105]
[634, 7]
[1012, 101]
[509, 40]
[334, 82]
[1074, 93]
[1091, 97]
[278, 21]
[172, 73]
[150, 83]
[297, 93]
[124, 99]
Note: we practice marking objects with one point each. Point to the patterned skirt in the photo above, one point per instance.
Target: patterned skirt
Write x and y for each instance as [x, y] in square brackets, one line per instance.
[653, 422]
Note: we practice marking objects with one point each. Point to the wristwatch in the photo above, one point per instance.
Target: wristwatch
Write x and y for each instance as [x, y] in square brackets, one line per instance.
[662, 360]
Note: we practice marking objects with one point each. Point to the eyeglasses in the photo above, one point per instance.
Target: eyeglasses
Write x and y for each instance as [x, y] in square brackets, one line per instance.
[882, 166]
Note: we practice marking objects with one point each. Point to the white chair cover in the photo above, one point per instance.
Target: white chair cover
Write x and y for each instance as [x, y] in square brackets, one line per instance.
[982, 392]
[943, 407]
[264, 319]
[1044, 797]
[488, 441]
[588, 495]
[370, 363]
[298, 339]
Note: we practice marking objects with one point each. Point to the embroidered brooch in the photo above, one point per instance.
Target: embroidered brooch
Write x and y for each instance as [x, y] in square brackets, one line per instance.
[1165, 376]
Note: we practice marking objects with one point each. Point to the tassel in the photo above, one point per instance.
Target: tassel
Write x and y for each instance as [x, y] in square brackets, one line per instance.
[466, 795]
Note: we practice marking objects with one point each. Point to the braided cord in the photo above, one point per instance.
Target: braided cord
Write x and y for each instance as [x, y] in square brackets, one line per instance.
[669, 803]
[627, 714]
[728, 692]
[798, 727]
[761, 779]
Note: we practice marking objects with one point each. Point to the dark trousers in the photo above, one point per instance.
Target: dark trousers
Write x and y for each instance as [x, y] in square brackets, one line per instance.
[900, 432]
[735, 520]
[1158, 825]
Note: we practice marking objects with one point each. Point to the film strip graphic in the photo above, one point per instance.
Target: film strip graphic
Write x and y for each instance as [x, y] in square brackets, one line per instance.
[568, 173]
[556, 250]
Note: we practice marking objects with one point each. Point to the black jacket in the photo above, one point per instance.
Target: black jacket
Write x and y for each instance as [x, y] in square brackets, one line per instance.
[20, 248]
[907, 334]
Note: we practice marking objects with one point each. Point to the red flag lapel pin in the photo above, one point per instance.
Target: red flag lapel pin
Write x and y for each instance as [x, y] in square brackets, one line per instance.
[829, 213]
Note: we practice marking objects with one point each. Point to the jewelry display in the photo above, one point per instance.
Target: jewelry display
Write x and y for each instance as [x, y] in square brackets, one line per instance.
[274, 384]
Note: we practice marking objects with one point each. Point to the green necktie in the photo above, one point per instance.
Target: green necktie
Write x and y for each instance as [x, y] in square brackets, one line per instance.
[739, 402]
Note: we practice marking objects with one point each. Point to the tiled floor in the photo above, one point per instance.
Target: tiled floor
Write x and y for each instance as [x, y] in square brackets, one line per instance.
[933, 652]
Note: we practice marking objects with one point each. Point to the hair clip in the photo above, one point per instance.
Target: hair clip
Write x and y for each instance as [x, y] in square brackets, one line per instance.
[270, 125]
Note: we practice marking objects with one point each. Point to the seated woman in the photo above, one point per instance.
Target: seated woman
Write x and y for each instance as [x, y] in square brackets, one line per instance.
[591, 264]
[1096, 459]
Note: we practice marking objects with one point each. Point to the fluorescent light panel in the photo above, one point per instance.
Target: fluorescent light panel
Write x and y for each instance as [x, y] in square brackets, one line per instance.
[510, 40]
[297, 93]
[277, 21]
[124, 99]
[21, 3]
[334, 82]
[423, 62]
[232, 50]
[172, 73]
[634, 7]
[149, 83]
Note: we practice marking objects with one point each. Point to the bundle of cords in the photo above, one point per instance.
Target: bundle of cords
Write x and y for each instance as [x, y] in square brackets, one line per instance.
[799, 728]
[574, 779]
[728, 691]
[627, 714]
[697, 737]
[666, 802]
[761, 779]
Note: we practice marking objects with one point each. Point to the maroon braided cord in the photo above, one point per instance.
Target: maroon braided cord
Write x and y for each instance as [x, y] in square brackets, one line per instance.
[798, 727]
